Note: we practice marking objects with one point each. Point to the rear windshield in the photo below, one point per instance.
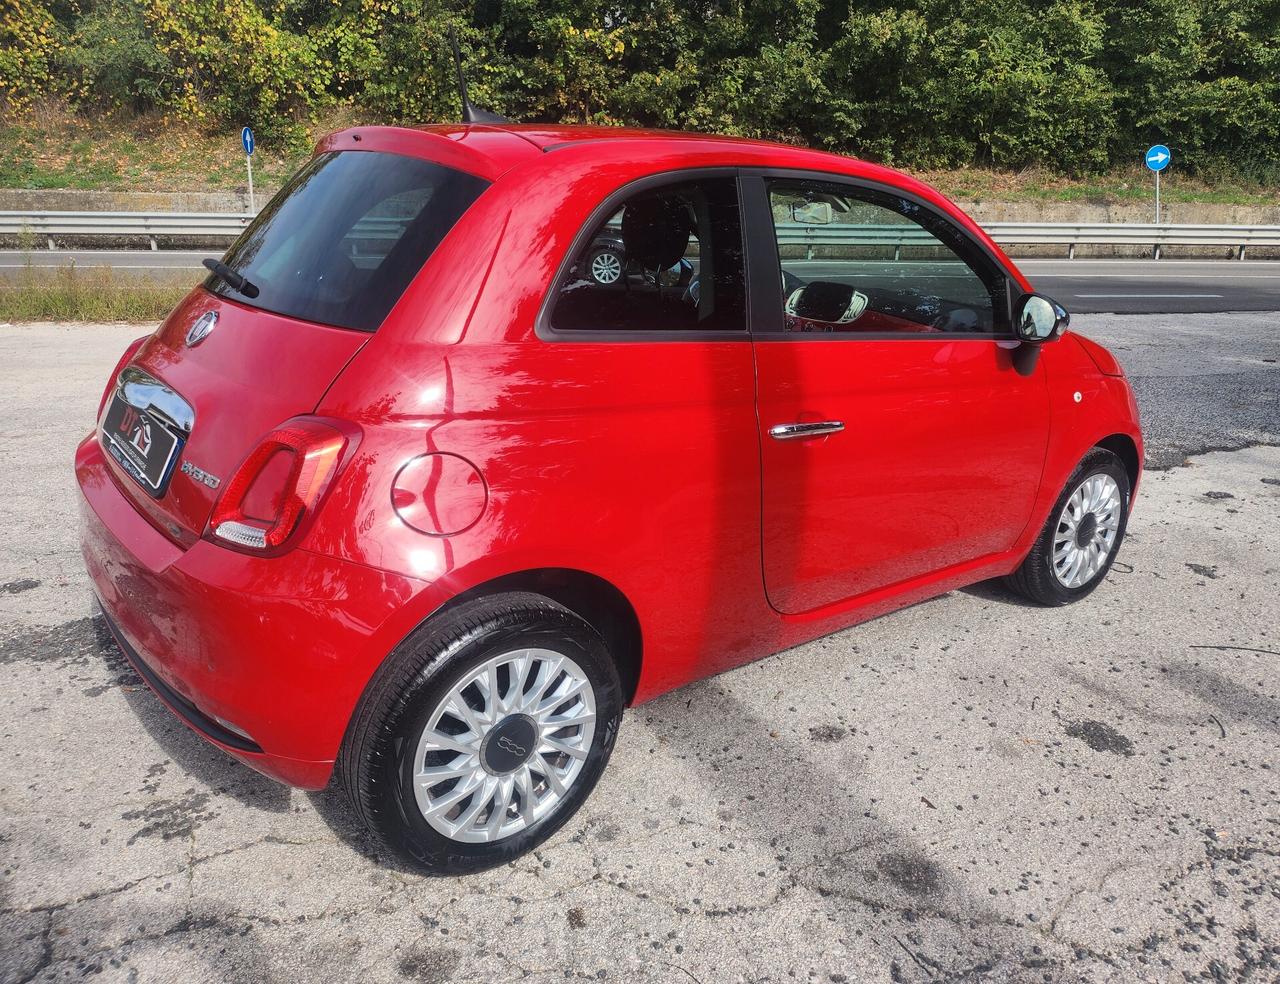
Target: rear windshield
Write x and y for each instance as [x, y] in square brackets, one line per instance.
[342, 240]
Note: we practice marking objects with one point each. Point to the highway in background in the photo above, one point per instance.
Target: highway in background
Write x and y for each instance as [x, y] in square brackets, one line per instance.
[1082, 286]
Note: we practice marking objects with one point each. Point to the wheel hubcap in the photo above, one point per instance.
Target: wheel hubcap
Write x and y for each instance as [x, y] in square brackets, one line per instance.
[504, 746]
[1086, 531]
[509, 744]
[606, 268]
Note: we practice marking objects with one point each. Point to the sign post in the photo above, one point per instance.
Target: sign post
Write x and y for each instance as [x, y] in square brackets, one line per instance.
[1157, 159]
[246, 139]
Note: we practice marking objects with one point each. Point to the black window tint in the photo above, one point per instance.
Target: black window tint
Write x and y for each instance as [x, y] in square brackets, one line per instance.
[341, 241]
[861, 260]
[670, 259]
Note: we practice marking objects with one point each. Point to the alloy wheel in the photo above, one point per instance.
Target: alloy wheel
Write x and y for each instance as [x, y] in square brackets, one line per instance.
[1086, 531]
[504, 746]
[606, 268]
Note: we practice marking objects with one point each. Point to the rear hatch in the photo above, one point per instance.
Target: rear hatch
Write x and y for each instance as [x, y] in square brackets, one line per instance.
[262, 339]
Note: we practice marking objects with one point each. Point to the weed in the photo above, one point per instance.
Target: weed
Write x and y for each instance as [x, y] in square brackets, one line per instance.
[96, 294]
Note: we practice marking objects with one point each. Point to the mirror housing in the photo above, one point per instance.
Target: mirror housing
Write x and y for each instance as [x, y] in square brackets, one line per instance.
[1037, 319]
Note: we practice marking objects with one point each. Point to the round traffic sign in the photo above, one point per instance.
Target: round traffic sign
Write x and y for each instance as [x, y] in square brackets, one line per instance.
[246, 138]
[1158, 157]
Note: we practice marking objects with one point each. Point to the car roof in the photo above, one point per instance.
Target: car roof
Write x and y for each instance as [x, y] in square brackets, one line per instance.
[552, 136]
[490, 150]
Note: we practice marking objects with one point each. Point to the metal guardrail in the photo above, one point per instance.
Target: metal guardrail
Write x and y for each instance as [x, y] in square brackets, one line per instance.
[1069, 234]
[1135, 234]
[196, 225]
[152, 225]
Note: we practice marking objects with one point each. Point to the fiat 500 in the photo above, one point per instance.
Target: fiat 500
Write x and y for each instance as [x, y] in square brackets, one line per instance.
[408, 496]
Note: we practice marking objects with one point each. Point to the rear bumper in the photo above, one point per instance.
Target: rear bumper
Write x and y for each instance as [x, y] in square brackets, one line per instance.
[264, 657]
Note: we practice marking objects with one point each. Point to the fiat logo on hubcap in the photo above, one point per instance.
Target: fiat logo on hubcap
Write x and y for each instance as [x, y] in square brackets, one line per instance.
[200, 329]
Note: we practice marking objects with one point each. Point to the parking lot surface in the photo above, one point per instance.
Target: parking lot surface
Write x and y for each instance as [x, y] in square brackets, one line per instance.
[970, 789]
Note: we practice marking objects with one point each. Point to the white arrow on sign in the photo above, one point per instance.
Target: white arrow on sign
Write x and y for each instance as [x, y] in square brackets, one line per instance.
[1159, 157]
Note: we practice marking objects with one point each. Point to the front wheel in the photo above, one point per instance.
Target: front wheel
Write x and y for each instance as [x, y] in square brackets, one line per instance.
[1084, 531]
[483, 734]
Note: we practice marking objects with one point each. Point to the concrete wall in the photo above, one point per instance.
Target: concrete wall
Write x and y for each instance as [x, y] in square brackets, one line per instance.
[1194, 213]
[27, 200]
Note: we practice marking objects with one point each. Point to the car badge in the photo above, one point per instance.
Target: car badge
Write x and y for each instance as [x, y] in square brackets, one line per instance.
[198, 474]
[200, 329]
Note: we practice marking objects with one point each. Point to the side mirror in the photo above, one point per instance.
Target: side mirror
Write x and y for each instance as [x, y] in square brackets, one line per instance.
[1038, 319]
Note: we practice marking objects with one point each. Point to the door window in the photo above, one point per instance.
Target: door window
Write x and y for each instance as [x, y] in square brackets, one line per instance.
[669, 259]
[865, 261]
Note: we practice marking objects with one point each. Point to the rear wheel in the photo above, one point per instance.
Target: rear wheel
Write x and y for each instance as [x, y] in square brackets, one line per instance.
[1082, 535]
[483, 733]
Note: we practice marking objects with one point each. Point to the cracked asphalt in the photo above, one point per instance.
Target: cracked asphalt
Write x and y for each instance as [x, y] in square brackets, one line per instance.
[970, 789]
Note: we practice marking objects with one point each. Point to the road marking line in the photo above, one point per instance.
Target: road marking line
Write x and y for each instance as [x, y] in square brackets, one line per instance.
[1147, 295]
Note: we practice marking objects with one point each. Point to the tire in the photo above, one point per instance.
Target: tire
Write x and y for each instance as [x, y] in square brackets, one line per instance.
[606, 267]
[1046, 578]
[384, 747]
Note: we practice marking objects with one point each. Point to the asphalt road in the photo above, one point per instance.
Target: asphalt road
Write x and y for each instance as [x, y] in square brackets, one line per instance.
[970, 789]
[1082, 286]
[1203, 382]
[1157, 286]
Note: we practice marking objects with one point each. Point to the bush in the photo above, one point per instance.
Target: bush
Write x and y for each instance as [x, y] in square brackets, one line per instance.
[113, 59]
[1075, 86]
[30, 39]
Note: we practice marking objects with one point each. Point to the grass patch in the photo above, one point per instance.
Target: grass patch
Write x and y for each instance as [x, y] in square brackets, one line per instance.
[52, 147]
[1133, 184]
[97, 294]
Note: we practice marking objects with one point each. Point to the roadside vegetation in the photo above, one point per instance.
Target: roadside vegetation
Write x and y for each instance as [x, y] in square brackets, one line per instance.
[1051, 101]
[98, 294]
[1076, 88]
[51, 146]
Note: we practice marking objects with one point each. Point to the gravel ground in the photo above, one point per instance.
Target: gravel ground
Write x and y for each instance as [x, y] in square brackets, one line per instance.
[971, 789]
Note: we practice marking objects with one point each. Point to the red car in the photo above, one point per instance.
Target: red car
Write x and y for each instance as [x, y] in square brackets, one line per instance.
[403, 492]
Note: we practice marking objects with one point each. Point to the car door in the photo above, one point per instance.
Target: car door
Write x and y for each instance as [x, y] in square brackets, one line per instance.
[898, 438]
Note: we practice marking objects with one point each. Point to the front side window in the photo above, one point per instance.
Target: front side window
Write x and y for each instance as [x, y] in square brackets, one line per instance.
[862, 260]
[341, 241]
[669, 259]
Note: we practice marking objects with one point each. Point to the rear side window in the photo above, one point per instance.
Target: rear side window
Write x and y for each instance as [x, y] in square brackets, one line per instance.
[341, 241]
[670, 259]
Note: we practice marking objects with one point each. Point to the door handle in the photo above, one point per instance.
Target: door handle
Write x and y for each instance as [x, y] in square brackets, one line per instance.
[790, 432]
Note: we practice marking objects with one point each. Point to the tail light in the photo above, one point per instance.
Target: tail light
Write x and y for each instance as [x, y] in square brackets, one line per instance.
[279, 485]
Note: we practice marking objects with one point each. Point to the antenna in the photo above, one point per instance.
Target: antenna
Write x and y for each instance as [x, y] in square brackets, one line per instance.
[470, 112]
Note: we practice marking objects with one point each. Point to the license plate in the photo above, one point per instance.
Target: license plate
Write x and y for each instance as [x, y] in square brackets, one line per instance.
[144, 447]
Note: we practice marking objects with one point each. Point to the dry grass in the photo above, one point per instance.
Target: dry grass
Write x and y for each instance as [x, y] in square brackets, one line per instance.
[52, 147]
[97, 294]
[1132, 184]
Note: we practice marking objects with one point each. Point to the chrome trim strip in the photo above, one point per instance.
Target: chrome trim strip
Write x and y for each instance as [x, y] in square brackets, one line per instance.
[789, 432]
[144, 392]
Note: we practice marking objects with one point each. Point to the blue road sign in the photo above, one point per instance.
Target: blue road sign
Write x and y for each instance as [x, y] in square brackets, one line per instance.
[246, 138]
[1158, 157]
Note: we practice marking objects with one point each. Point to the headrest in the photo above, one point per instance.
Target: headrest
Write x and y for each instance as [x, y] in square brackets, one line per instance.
[655, 231]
